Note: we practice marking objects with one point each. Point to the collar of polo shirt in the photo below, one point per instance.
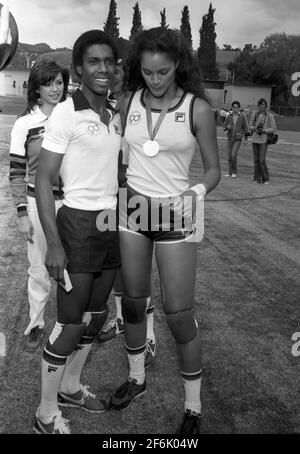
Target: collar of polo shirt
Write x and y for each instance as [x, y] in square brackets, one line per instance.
[81, 103]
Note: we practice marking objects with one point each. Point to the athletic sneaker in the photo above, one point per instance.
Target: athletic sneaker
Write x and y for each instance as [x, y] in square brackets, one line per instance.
[227, 174]
[58, 425]
[190, 423]
[112, 330]
[34, 339]
[233, 175]
[82, 399]
[150, 353]
[126, 394]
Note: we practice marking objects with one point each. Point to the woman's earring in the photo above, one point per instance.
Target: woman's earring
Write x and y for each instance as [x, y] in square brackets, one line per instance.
[39, 101]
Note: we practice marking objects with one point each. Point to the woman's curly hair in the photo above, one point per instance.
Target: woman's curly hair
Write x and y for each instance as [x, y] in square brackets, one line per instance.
[171, 42]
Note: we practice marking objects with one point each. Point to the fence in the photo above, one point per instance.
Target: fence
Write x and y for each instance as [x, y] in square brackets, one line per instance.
[286, 111]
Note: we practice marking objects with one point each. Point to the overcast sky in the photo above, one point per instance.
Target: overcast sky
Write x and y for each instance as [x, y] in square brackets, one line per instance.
[59, 22]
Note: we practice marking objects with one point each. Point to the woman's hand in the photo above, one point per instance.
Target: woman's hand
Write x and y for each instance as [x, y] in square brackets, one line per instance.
[26, 228]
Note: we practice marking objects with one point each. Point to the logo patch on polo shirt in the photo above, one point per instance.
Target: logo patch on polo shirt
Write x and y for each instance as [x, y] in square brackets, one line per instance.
[134, 118]
[94, 129]
[180, 117]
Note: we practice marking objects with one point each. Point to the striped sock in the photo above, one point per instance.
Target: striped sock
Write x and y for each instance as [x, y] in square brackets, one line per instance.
[192, 388]
[52, 370]
[137, 367]
[70, 382]
[136, 359]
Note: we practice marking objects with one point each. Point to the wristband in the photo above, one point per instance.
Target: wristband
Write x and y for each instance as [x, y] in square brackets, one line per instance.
[200, 190]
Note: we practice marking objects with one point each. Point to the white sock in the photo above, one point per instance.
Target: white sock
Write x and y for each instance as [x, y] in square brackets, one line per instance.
[150, 320]
[137, 367]
[52, 370]
[70, 383]
[118, 300]
[192, 390]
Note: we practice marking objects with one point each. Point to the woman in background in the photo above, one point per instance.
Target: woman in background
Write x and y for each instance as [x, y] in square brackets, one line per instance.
[47, 86]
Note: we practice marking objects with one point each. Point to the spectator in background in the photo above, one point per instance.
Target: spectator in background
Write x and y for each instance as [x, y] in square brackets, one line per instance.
[261, 123]
[237, 128]
[223, 114]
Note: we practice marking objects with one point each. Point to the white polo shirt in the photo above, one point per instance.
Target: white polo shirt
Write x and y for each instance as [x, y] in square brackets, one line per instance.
[89, 169]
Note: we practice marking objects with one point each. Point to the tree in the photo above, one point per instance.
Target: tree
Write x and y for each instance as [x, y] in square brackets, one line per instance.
[185, 27]
[163, 19]
[272, 63]
[111, 26]
[136, 21]
[207, 48]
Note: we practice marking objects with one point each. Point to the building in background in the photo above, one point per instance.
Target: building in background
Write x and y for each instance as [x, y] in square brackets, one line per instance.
[13, 82]
[247, 94]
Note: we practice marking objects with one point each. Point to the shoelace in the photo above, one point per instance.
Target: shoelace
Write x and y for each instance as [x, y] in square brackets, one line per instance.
[148, 348]
[110, 326]
[61, 425]
[86, 392]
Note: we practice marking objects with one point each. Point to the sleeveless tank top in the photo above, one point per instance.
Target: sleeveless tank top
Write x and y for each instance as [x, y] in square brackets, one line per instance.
[165, 174]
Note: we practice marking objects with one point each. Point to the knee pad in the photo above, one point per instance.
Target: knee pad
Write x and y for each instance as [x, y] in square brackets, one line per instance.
[64, 338]
[134, 309]
[183, 325]
[94, 322]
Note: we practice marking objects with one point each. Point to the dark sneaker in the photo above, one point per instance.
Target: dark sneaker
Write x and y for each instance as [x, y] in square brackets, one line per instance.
[58, 425]
[127, 393]
[34, 339]
[190, 423]
[150, 353]
[113, 329]
[82, 399]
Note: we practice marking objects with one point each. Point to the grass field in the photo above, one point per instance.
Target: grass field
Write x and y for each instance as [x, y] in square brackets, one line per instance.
[246, 298]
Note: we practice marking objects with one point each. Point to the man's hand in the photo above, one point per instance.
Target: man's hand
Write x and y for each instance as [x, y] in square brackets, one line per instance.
[26, 228]
[56, 262]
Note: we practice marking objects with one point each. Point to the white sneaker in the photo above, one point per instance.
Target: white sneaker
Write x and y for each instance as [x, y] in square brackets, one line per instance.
[58, 425]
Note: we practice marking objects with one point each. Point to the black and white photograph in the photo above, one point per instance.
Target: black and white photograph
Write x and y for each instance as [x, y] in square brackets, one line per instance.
[149, 220]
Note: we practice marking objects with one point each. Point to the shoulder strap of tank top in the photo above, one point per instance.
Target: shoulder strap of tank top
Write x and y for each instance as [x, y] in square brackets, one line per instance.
[191, 115]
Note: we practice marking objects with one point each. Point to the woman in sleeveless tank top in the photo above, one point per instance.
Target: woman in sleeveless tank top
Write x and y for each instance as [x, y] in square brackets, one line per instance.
[167, 117]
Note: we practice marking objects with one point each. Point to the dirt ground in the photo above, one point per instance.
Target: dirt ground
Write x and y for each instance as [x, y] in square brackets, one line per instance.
[247, 302]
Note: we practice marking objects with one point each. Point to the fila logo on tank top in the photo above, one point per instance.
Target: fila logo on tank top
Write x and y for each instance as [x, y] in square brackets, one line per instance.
[159, 169]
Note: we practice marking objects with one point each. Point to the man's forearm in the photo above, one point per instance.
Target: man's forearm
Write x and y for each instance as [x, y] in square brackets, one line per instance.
[46, 209]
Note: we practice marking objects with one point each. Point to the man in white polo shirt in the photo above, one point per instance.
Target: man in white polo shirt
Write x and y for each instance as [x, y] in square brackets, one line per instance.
[81, 143]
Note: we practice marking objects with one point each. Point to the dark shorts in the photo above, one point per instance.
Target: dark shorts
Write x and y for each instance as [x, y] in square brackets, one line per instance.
[163, 227]
[88, 250]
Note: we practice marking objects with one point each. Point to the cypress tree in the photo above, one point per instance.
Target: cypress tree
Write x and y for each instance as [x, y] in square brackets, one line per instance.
[185, 27]
[163, 19]
[111, 26]
[136, 21]
[207, 50]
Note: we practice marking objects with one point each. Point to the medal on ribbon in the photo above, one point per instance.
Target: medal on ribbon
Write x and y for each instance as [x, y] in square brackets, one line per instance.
[151, 147]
